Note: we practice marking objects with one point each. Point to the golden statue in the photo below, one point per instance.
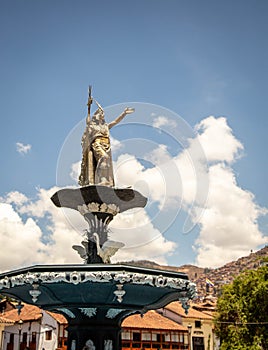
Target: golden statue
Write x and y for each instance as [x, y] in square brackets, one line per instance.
[96, 166]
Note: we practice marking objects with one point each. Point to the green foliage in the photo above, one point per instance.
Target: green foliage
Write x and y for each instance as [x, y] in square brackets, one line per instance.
[242, 312]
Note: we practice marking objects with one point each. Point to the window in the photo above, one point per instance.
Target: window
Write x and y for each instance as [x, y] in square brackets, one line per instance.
[174, 337]
[146, 336]
[160, 338]
[11, 338]
[197, 324]
[136, 345]
[198, 341]
[125, 344]
[125, 335]
[136, 336]
[146, 345]
[33, 337]
[24, 337]
[48, 335]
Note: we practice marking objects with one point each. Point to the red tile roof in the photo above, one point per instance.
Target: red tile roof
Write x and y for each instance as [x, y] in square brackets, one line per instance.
[152, 320]
[58, 317]
[192, 313]
[28, 313]
[32, 313]
[210, 313]
[5, 320]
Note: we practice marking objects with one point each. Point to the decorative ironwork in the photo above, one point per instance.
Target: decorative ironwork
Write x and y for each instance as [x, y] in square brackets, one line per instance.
[119, 292]
[108, 344]
[185, 304]
[35, 292]
[89, 345]
[77, 277]
[67, 312]
[112, 313]
[19, 307]
[100, 208]
[88, 311]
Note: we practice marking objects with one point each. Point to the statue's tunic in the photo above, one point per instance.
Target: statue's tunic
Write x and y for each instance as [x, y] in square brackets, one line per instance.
[96, 165]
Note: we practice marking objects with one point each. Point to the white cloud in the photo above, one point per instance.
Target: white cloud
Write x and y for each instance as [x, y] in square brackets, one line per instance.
[15, 197]
[228, 227]
[159, 155]
[162, 121]
[24, 236]
[20, 241]
[65, 226]
[130, 228]
[161, 183]
[116, 145]
[229, 224]
[75, 171]
[217, 140]
[226, 213]
[23, 149]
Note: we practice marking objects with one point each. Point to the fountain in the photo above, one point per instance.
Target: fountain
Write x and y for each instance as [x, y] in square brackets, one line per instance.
[96, 296]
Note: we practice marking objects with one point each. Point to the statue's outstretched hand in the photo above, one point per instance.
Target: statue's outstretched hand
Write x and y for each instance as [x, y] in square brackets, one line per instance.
[129, 110]
[126, 111]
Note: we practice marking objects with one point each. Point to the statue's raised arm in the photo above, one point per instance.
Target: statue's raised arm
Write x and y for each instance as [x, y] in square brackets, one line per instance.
[126, 111]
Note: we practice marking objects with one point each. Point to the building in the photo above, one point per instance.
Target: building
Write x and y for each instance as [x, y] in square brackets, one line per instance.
[34, 329]
[199, 324]
[4, 322]
[207, 306]
[62, 332]
[153, 331]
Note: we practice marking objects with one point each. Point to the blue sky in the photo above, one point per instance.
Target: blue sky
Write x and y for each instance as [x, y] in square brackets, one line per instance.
[195, 58]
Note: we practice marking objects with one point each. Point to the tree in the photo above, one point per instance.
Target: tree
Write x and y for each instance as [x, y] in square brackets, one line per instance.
[242, 312]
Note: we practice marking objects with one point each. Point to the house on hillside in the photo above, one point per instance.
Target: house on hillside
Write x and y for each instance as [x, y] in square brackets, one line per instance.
[199, 324]
[153, 331]
[208, 307]
[34, 329]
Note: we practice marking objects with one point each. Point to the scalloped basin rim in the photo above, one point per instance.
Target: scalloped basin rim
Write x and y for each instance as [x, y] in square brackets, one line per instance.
[124, 198]
[94, 268]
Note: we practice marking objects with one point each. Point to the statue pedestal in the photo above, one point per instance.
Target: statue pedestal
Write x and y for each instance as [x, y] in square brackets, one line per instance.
[121, 198]
[98, 205]
[96, 298]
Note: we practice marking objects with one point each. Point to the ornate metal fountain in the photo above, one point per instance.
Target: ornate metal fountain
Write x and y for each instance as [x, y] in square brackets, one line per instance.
[96, 296]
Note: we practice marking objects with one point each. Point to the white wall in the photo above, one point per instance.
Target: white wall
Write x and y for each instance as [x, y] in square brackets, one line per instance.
[171, 315]
[26, 327]
[47, 323]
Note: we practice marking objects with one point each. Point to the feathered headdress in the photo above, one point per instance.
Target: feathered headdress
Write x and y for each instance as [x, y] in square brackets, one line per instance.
[100, 110]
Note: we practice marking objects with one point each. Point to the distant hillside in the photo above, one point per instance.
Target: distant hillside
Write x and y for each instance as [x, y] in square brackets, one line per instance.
[226, 273]
[217, 277]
